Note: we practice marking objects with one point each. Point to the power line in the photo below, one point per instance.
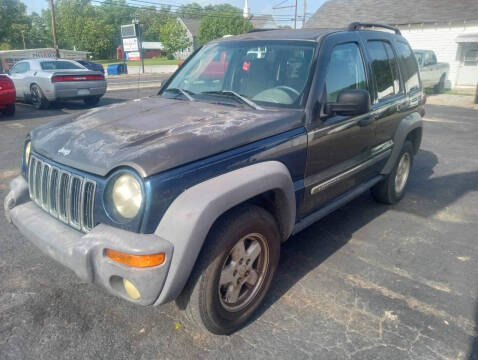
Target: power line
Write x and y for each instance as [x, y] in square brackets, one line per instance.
[202, 13]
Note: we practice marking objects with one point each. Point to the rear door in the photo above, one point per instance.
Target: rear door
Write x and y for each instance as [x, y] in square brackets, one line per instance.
[389, 98]
[339, 147]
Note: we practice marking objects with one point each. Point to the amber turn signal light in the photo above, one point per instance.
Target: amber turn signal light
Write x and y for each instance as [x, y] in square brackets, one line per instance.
[136, 260]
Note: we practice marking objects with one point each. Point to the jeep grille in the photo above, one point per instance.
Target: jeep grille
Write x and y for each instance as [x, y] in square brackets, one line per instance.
[64, 195]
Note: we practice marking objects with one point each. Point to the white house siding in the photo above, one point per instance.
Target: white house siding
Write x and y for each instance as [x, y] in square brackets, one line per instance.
[440, 38]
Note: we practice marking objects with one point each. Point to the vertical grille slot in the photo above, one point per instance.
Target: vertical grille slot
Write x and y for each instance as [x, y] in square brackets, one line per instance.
[75, 199]
[87, 204]
[64, 195]
[54, 172]
[63, 192]
[37, 182]
[45, 186]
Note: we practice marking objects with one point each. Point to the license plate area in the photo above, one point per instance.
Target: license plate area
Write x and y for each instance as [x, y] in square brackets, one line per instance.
[82, 92]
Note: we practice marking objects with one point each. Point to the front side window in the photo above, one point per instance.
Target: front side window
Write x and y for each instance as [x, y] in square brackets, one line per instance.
[409, 65]
[270, 73]
[21, 68]
[58, 65]
[382, 72]
[345, 71]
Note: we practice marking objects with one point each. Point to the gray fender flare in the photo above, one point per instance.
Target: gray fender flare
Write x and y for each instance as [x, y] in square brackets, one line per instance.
[407, 124]
[189, 218]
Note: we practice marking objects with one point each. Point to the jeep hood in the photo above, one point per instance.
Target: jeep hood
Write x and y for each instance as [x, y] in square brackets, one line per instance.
[155, 134]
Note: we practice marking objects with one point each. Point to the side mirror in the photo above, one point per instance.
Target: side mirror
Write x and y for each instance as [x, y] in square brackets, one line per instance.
[350, 102]
[7, 71]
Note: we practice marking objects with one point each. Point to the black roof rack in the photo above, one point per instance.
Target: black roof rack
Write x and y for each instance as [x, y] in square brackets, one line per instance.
[357, 25]
[258, 30]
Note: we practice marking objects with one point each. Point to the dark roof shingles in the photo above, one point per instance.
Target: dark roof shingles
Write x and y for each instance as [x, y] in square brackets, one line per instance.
[340, 13]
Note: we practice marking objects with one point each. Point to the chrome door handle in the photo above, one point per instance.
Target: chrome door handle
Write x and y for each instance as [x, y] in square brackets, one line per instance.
[366, 120]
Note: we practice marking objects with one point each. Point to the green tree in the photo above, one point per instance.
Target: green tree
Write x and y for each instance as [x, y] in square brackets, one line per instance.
[115, 13]
[223, 19]
[151, 20]
[13, 19]
[174, 37]
[80, 26]
[192, 11]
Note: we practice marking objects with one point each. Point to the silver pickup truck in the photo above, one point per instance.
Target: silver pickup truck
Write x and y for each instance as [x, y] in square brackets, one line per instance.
[432, 73]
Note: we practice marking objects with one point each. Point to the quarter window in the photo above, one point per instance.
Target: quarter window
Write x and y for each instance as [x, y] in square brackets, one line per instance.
[382, 70]
[346, 70]
[409, 65]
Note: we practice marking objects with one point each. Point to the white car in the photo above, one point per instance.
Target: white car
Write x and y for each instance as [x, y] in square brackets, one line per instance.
[42, 81]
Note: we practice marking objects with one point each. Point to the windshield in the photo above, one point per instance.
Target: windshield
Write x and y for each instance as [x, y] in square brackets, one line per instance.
[270, 73]
[58, 65]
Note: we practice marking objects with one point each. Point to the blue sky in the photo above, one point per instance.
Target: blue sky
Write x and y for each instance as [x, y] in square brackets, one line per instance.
[283, 17]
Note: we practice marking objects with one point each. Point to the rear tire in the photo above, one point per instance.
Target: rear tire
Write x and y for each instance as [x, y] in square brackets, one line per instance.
[440, 87]
[92, 100]
[391, 189]
[234, 270]
[9, 110]
[39, 100]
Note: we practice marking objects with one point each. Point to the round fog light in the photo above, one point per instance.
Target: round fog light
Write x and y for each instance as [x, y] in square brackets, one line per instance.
[131, 290]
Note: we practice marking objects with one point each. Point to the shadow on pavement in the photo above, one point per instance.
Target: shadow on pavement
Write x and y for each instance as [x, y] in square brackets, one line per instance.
[474, 344]
[306, 251]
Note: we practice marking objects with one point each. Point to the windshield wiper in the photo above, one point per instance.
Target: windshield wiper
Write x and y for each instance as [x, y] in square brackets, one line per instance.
[234, 94]
[187, 93]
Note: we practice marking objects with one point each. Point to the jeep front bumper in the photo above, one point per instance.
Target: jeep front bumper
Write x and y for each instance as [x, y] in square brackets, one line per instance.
[85, 253]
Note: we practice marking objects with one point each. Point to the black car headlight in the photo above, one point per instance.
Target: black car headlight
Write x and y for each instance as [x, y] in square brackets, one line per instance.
[124, 196]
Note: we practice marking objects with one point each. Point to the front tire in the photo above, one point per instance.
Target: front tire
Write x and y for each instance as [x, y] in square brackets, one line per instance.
[234, 270]
[392, 188]
[39, 100]
[9, 110]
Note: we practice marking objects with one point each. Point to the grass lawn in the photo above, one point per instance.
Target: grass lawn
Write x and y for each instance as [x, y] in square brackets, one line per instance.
[156, 61]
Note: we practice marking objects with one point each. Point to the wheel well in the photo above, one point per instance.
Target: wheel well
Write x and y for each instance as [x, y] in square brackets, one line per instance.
[415, 136]
[271, 201]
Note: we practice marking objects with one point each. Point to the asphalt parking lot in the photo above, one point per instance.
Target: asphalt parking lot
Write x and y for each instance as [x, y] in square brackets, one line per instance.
[367, 282]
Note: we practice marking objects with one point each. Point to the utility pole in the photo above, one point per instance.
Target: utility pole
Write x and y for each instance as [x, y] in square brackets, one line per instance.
[295, 16]
[305, 10]
[23, 38]
[53, 29]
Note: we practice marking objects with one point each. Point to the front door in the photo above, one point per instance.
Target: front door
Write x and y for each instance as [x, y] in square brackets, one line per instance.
[19, 74]
[339, 146]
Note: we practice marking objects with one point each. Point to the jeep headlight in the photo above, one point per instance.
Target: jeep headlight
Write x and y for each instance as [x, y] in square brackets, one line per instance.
[28, 146]
[126, 196]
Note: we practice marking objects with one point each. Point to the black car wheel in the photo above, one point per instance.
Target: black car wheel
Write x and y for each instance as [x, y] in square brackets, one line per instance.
[92, 100]
[234, 270]
[440, 87]
[37, 98]
[9, 110]
[392, 188]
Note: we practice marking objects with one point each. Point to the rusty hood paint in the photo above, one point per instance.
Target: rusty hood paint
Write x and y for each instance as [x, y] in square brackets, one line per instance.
[155, 134]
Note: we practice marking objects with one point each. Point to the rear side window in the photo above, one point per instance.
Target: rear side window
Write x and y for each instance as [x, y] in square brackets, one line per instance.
[409, 66]
[394, 67]
[346, 70]
[386, 79]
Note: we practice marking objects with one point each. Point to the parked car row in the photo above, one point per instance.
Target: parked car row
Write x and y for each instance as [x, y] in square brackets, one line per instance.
[42, 81]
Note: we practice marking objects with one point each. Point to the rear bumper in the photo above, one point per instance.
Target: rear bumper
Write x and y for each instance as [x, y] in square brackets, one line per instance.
[77, 90]
[85, 253]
